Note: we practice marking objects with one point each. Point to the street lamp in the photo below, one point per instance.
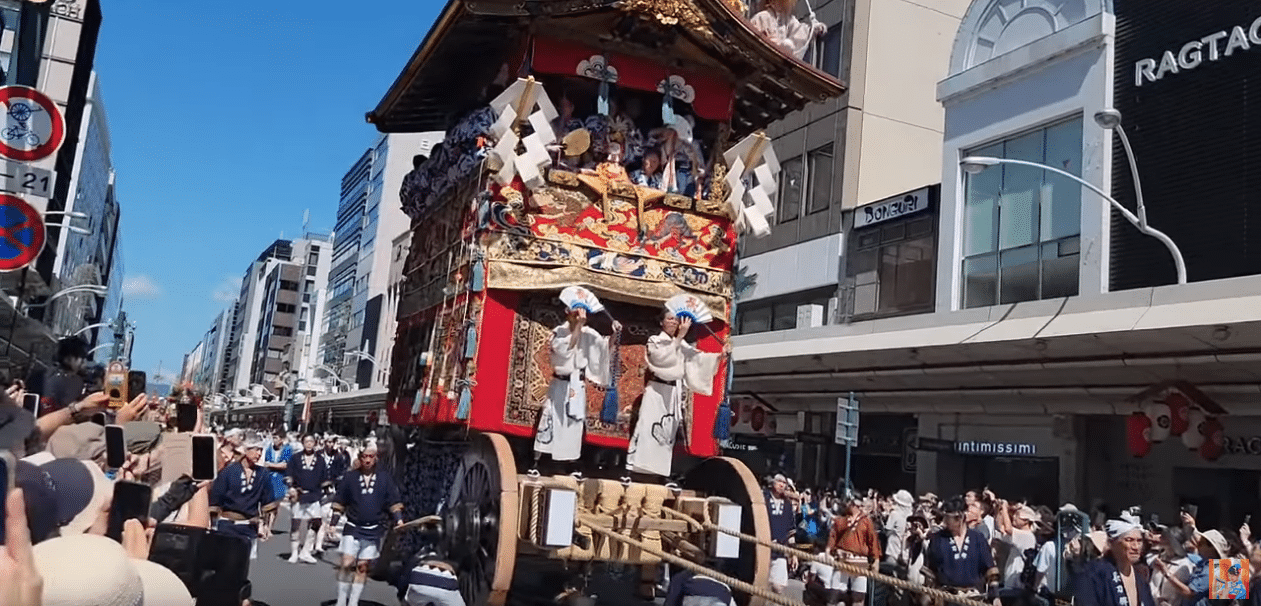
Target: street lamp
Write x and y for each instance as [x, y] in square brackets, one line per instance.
[95, 289]
[333, 374]
[1110, 119]
[98, 348]
[68, 215]
[975, 164]
[91, 326]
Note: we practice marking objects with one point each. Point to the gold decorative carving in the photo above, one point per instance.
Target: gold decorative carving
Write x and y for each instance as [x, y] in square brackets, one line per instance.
[563, 178]
[520, 276]
[670, 12]
[679, 202]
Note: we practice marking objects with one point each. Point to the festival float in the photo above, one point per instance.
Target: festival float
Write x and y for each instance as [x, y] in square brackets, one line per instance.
[562, 333]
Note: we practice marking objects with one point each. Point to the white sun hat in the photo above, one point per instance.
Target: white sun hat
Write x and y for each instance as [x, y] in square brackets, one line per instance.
[110, 580]
[161, 586]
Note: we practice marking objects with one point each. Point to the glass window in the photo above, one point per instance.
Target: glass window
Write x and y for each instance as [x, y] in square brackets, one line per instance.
[827, 52]
[791, 181]
[1022, 223]
[754, 319]
[820, 179]
[893, 268]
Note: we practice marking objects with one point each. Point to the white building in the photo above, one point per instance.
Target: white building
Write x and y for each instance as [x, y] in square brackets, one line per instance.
[358, 328]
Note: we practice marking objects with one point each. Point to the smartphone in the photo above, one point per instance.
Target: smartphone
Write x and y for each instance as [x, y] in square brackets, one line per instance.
[137, 383]
[99, 419]
[131, 502]
[174, 546]
[185, 417]
[203, 453]
[223, 569]
[115, 447]
[1247, 519]
[30, 402]
[1190, 509]
[8, 468]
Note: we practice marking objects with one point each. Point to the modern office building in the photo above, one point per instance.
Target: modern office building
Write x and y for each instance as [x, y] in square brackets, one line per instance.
[358, 331]
[88, 258]
[249, 312]
[203, 366]
[880, 140]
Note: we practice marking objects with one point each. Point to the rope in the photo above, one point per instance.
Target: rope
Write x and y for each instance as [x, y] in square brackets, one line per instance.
[732, 582]
[843, 566]
[536, 507]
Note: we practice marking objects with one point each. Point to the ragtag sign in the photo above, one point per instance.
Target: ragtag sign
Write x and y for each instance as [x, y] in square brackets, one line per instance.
[898, 206]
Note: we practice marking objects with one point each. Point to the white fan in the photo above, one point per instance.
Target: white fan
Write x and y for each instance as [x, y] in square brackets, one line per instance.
[688, 306]
[578, 297]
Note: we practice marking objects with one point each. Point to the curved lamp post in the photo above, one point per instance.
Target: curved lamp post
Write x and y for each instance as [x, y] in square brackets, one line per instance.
[91, 326]
[332, 374]
[95, 289]
[975, 164]
[68, 215]
[376, 366]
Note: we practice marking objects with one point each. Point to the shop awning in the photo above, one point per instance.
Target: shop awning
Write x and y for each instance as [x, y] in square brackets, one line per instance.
[259, 408]
[350, 404]
[1090, 352]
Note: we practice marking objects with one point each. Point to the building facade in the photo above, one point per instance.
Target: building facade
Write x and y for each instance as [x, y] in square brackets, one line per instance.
[250, 310]
[1058, 325]
[877, 144]
[358, 331]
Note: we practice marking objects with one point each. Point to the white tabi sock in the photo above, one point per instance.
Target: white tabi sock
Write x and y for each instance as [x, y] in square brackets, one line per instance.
[356, 590]
[293, 547]
[310, 542]
[343, 592]
[319, 537]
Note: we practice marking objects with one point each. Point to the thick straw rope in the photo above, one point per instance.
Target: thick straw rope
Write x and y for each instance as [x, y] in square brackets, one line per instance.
[842, 566]
[733, 582]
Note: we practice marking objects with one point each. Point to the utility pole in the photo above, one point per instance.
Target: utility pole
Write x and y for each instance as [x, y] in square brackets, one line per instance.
[120, 335]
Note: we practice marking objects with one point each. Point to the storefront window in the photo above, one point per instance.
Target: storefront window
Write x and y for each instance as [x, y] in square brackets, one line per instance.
[1022, 224]
[893, 267]
[791, 186]
[780, 313]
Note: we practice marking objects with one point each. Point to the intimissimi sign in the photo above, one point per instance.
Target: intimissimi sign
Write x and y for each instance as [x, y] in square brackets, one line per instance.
[1213, 47]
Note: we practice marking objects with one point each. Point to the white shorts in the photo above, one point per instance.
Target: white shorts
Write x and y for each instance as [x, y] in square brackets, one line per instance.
[843, 581]
[779, 572]
[361, 550]
[826, 574]
[307, 511]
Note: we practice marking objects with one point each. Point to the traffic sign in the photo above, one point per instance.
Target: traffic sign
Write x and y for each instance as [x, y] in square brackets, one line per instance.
[21, 233]
[22, 178]
[33, 125]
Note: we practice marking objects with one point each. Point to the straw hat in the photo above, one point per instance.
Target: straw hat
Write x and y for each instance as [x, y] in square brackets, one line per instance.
[110, 580]
[1218, 541]
[161, 586]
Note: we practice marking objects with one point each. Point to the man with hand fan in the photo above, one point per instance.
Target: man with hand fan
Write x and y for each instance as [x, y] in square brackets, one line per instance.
[674, 365]
[579, 354]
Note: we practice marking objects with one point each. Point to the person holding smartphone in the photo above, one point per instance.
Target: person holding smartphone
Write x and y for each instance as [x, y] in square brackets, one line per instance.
[242, 497]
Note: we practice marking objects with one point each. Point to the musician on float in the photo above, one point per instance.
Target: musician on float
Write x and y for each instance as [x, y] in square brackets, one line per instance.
[579, 354]
[367, 498]
[777, 23]
[1113, 580]
[674, 365]
[959, 558]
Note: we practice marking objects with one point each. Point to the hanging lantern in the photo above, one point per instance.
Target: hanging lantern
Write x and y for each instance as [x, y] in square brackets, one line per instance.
[1159, 415]
[1136, 429]
[1179, 409]
[1192, 438]
[1214, 439]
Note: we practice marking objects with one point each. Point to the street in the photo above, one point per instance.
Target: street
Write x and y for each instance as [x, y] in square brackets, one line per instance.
[276, 582]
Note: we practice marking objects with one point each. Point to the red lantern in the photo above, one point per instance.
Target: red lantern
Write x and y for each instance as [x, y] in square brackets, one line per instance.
[1179, 413]
[1136, 430]
[1214, 439]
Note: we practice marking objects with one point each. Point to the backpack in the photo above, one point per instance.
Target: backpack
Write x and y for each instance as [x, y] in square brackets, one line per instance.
[1201, 580]
[1029, 574]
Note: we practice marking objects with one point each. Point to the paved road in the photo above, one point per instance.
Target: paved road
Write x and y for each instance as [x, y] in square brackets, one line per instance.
[276, 582]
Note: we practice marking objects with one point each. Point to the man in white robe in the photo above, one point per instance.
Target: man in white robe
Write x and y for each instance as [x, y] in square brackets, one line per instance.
[579, 354]
[777, 23]
[674, 365]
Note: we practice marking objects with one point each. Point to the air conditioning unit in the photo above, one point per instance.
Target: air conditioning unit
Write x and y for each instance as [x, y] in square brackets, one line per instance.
[809, 316]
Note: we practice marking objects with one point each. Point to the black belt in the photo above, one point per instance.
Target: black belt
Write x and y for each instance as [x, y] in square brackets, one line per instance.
[582, 376]
[655, 379]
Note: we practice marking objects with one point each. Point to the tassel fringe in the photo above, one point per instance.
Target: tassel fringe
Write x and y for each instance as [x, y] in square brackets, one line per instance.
[466, 400]
[722, 424]
[667, 109]
[479, 275]
[470, 342]
[602, 100]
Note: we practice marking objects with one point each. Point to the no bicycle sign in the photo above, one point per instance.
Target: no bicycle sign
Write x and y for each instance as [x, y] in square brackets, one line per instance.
[33, 127]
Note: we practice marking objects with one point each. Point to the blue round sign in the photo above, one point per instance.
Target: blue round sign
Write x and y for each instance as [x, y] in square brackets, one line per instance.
[21, 233]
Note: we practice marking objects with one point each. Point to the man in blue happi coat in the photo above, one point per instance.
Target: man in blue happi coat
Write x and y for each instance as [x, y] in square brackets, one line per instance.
[368, 499]
[336, 462]
[306, 476]
[1113, 580]
[959, 558]
[243, 499]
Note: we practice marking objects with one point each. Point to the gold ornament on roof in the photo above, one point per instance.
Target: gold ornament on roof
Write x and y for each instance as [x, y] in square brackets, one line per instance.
[669, 12]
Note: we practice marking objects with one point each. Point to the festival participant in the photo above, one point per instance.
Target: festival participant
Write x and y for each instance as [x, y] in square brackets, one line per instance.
[242, 497]
[853, 540]
[366, 497]
[337, 464]
[959, 558]
[673, 364]
[1113, 580]
[276, 460]
[777, 23]
[307, 476]
[579, 354]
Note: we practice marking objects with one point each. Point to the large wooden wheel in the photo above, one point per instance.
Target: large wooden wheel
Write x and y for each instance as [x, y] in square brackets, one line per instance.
[480, 520]
[730, 478]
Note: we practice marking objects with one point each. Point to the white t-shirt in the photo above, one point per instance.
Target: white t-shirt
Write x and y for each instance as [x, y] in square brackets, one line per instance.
[1020, 541]
[1048, 564]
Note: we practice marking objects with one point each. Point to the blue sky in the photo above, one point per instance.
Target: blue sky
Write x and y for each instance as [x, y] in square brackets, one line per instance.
[227, 121]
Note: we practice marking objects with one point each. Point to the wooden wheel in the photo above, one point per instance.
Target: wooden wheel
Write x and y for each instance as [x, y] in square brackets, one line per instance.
[730, 478]
[480, 520]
